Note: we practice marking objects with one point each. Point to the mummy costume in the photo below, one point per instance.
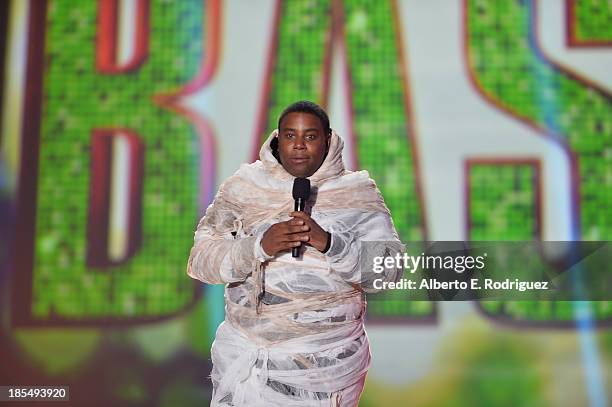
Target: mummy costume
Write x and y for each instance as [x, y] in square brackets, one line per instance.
[293, 332]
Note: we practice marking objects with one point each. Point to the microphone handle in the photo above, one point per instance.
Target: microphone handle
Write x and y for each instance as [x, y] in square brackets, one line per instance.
[297, 206]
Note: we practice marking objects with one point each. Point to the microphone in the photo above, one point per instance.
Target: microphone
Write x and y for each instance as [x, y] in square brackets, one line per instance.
[301, 192]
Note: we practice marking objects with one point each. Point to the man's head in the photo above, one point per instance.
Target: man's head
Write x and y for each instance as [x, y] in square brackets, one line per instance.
[303, 138]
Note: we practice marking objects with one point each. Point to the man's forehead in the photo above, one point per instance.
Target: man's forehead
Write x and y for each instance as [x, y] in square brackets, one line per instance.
[308, 129]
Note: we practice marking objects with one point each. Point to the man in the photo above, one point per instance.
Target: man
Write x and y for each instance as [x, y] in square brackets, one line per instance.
[293, 331]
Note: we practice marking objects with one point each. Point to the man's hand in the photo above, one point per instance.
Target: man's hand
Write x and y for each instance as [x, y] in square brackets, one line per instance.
[317, 237]
[285, 235]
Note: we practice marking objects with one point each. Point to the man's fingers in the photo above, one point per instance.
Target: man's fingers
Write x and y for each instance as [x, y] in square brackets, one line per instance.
[294, 222]
[300, 215]
[293, 237]
[289, 223]
[297, 238]
[284, 228]
[290, 229]
[298, 229]
[289, 245]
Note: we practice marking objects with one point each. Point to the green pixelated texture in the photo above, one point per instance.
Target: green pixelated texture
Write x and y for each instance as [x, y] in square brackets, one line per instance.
[502, 207]
[382, 133]
[502, 202]
[304, 27]
[593, 20]
[508, 68]
[380, 126]
[78, 100]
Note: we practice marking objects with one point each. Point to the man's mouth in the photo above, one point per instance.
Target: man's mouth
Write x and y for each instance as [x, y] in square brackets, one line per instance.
[299, 160]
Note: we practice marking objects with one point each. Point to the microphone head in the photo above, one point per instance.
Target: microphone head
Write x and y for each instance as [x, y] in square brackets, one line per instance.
[301, 188]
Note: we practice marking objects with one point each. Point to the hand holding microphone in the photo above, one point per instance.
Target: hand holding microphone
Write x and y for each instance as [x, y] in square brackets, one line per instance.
[317, 238]
[301, 229]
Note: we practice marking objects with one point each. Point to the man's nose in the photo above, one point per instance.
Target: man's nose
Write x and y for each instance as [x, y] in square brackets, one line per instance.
[299, 143]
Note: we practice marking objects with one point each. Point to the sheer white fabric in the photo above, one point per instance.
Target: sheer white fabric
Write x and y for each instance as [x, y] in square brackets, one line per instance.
[293, 332]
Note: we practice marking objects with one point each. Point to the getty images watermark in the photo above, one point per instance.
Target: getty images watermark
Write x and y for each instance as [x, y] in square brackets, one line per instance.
[458, 264]
[504, 270]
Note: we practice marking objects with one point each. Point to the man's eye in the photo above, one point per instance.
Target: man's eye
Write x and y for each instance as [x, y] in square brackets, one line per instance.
[311, 137]
[289, 135]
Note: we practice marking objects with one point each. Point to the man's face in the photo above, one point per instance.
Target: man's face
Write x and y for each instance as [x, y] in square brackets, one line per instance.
[302, 144]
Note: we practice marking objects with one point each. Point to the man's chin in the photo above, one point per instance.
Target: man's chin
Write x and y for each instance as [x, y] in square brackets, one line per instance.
[299, 172]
